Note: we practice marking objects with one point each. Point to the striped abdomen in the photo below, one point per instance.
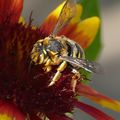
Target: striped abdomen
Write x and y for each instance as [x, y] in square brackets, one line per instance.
[74, 49]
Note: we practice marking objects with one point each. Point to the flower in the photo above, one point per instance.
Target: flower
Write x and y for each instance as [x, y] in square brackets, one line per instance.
[24, 91]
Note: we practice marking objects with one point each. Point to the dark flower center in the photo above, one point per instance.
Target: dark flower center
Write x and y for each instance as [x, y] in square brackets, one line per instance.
[25, 84]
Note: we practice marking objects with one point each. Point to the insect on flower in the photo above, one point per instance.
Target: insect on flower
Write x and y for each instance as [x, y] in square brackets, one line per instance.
[27, 92]
[62, 51]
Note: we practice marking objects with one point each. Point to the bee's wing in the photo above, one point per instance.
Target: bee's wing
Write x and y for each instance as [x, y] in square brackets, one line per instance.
[66, 15]
[83, 63]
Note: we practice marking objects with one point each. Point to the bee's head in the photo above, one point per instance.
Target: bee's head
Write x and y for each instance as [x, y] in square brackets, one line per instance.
[54, 46]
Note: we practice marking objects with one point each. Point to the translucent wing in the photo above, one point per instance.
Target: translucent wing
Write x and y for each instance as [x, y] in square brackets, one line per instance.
[83, 63]
[66, 15]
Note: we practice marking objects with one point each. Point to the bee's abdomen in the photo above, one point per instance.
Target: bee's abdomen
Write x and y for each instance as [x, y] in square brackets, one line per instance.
[74, 50]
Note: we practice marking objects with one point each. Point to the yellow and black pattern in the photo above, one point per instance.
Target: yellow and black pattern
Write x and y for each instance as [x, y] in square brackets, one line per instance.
[49, 50]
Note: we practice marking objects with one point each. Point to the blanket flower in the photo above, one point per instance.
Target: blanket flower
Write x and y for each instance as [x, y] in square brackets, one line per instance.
[24, 91]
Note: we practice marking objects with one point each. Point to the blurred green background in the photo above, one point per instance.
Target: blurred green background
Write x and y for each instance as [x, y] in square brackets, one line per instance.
[109, 82]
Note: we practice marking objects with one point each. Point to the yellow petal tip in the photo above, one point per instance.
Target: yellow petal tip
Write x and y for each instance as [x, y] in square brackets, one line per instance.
[111, 104]
[5, 117]
[78, 13]
[89, 28]
[57, 11]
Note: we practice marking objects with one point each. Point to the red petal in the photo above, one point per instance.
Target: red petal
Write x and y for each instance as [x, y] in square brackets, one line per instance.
[95, 113]
[10, 10]
[98, 97]
[58, 117]
[10, 111]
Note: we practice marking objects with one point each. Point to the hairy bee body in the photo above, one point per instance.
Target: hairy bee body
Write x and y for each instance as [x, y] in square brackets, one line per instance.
[48, 51]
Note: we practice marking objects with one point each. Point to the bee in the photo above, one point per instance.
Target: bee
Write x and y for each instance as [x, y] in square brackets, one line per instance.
[62, 51]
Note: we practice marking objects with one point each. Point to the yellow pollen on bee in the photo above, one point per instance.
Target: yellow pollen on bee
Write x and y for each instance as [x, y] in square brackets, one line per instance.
[44, 51]
[41, 40]
[48, 62]
[52, 54]
[41, 59]
[46, 41]
[6, 117]
[34, 56]
[48, 68]
[46, 59]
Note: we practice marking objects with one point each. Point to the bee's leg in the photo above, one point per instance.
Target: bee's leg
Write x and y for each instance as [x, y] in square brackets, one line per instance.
[56, 77]
[47, 67]
[75, 78]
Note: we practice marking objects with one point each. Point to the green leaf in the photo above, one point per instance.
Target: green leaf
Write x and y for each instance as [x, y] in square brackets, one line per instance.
[93, 51]
[91, 8]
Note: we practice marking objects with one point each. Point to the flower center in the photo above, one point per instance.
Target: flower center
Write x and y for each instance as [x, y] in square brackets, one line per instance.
[26, 84]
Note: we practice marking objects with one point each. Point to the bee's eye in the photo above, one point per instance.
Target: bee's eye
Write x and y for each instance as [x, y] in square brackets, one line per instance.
[54, 46]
